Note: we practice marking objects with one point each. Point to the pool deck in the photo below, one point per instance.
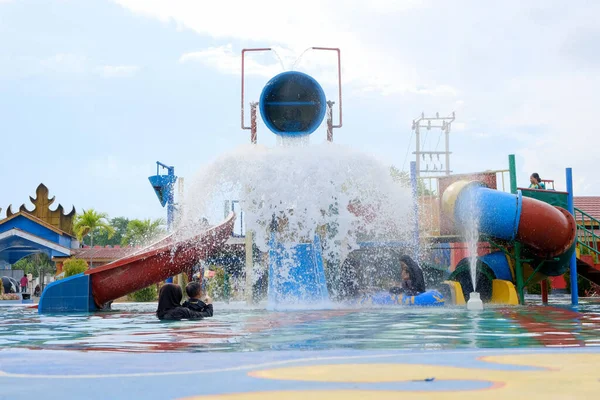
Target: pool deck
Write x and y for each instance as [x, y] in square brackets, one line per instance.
[546, 373]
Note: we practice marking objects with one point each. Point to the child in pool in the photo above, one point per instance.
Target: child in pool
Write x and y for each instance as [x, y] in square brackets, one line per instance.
[169, 308]
[197, 301]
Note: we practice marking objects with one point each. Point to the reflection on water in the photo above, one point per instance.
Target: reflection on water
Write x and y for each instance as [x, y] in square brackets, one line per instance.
[134, 328]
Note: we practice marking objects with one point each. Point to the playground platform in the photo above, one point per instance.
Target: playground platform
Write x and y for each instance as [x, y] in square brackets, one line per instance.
[348, 374]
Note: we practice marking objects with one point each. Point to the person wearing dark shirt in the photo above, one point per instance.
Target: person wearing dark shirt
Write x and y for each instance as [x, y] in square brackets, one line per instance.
[196, 302]
[169, 305]
[411, 282]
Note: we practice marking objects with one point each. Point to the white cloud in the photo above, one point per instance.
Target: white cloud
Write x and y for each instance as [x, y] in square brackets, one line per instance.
[291, 31]
[118, 71]
[224, 60]
[65, 63]
[77, 64]
[523, 75]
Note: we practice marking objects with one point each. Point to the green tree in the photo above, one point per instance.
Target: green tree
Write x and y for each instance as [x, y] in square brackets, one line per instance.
[146, 294]
[90, 223]
[403, 177]
[216, 285]
[38, 265]
[141, 232]
[74, 266]
[102, 238]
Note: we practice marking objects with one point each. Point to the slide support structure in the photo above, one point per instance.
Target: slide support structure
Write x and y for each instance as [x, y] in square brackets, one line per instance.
[573, 261]
[512, 167]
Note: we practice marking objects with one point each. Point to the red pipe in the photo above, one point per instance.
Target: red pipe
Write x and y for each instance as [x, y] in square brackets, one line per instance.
[253, 129]
[339, 79]
[549, 231]
[544, 286]
[124, 276]
[243, 55]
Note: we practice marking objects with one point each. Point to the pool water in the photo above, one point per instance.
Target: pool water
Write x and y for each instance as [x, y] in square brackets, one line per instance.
[133, 327]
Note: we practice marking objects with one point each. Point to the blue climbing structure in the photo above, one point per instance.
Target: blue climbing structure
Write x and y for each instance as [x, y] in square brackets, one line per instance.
[296, 274]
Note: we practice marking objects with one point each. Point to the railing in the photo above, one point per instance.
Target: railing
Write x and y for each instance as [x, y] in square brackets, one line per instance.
[548, 184]
[587, 238]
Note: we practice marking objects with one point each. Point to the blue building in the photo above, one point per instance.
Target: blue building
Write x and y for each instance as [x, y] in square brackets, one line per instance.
[40, 230]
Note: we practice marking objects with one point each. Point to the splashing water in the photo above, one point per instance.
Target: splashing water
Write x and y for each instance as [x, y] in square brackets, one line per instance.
[345, 195]
[279, 58]
[297, 61]
[471, 233]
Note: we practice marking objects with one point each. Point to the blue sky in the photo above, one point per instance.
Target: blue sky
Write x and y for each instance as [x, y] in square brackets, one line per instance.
[93, 92]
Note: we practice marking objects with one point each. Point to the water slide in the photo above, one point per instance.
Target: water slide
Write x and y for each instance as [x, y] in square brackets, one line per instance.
[96, 287]
[547, 233]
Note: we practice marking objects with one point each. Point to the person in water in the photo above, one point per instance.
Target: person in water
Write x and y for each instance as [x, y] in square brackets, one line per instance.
[411, 282]
[169, 305]
[197, 301]
[536, 182]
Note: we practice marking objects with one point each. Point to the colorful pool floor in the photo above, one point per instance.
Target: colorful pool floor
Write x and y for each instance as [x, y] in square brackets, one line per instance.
[467, 374]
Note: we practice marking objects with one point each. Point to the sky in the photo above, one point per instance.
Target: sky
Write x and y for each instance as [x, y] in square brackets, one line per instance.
[93, 93]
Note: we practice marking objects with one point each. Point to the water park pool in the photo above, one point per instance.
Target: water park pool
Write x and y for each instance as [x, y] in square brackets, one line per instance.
[133, 327]
[342, 353]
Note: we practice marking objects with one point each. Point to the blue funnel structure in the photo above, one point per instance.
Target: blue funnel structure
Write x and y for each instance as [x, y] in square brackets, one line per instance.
[292, 104]
[163, 187]
[547, 232]
[296, 274]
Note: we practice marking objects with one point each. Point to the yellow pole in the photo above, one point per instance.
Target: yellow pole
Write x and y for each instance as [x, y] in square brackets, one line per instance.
[249, 266]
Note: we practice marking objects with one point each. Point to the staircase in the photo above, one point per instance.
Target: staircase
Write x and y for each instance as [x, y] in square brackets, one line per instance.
[588, 254]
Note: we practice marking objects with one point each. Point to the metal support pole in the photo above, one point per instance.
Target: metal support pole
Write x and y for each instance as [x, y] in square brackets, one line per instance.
[253, 122]
[513, 173]
[339, 62]
[418, 150]
[170, 204]
[415, 194]
[447, 134]
[544, 287]
[244, 51]
[249, 268]
[573, 263]
[330, 120]
[518, 262]
[170, 201]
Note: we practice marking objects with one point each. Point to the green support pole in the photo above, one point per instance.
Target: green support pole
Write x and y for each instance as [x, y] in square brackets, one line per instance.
[512, 166]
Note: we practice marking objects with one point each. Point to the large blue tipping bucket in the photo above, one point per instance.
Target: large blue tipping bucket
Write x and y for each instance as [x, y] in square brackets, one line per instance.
[292, 104]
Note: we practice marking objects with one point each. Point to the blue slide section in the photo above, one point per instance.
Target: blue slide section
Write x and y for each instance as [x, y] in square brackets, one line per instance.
[296, 274]
[499, 212]
[72, 294]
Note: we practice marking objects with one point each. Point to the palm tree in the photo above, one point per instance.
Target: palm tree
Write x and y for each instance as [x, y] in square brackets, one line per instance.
[143, 231]
[88, 223]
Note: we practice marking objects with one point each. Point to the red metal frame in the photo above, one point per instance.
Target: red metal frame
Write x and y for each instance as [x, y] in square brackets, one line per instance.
[253, 138]
[330, 124]
[339, 125]
[243, 71]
